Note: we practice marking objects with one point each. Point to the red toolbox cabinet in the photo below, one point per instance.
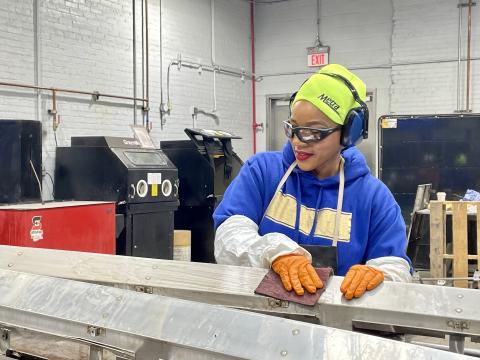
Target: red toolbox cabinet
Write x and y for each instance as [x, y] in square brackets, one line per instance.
[87, 226]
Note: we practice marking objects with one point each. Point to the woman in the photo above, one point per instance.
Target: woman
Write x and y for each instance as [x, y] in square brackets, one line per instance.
[316, 197]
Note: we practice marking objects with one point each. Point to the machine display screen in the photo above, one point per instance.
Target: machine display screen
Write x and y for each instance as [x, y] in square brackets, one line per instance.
[145, 158]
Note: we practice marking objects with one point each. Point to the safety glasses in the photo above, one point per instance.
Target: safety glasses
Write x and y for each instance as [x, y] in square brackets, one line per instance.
[307, 134]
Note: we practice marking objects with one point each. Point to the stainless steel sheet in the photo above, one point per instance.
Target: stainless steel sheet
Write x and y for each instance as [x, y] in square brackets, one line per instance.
[396, 307]
[141, 326]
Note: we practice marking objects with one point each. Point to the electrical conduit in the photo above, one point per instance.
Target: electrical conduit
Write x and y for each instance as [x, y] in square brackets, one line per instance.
[252, 43]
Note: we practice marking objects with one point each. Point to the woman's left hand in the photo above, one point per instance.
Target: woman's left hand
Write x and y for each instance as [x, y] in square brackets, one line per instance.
[359, 279]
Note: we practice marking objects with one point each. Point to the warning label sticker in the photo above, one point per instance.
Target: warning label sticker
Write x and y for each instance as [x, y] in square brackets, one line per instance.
[36, 232]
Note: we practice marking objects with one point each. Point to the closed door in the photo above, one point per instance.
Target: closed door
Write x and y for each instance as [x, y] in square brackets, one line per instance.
[279, 112]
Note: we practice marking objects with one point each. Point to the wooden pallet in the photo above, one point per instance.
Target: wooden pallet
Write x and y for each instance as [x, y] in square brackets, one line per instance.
[438, 248]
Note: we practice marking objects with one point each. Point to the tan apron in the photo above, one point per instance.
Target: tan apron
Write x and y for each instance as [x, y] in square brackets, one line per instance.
[322, 256]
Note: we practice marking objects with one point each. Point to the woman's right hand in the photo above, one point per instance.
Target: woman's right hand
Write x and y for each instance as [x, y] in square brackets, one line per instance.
[297, 272]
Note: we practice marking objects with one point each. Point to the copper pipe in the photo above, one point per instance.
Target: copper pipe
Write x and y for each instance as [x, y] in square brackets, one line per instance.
[71, 91]
[54, 101]
[468, 52]
[53, 112]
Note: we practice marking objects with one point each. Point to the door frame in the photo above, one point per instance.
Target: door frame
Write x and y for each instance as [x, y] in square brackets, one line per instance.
[270, 99]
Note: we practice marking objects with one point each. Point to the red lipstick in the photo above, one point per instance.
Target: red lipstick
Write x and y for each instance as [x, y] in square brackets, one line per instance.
[302, 156]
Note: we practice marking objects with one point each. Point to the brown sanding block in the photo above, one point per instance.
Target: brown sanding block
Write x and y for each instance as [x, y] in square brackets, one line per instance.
[272, 286]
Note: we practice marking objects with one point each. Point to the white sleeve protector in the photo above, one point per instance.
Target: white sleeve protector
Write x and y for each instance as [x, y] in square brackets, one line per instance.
[237, 242]
[394, 268]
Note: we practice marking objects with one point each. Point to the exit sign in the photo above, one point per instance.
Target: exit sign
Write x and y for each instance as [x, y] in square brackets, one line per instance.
[317, 56]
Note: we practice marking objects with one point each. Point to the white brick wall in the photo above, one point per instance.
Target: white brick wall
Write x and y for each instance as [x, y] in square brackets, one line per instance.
[16, 42]
[426, 31]
[87, 45]
[373, 35]
[358, 32]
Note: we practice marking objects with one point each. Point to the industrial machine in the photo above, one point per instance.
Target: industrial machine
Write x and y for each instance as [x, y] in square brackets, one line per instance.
[142, 182]
[438, 149]
[441, 150]
[64, 319]
[67, 225]
[206, 166]
[20, 158]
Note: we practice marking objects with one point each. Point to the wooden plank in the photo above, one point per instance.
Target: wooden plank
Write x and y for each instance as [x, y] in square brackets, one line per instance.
[437, 238]
[460, 243]
[478, 236]
[450, 257]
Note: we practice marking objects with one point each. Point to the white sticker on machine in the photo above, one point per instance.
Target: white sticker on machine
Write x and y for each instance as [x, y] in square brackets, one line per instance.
[389, 123]
[36, 232]
[154, 178]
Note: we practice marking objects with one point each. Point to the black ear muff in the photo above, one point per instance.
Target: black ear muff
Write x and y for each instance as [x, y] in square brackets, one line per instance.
[355, 126]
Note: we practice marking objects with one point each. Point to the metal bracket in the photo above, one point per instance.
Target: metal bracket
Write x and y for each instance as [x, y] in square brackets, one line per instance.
[94, 331]
[458, 324]
[275, 303]
[244, 74]
[144, 289]
[258, 125]
[179, 61]
[4, 339]
[465, 4]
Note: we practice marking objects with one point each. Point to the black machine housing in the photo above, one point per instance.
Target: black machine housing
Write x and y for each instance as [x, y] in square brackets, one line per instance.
[442, 150]
[206, 166]
[20, 144]
[142, 182]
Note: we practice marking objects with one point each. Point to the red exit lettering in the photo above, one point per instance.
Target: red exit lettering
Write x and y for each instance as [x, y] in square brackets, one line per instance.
[318, 59]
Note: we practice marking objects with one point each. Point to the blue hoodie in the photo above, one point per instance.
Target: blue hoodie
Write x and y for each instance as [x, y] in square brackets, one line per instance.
[371, 223]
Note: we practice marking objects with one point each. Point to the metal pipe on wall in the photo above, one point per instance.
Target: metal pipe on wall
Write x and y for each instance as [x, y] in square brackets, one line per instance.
[53, 112]
[212, 12]
[467, 108]
[146, 108]
[381, 66]
[95, 94]
[134, 62]
[460, 11]
[162, 112]
[37, 57]
[252, 47]
[220, 69]
[143, 59]
[318, 23]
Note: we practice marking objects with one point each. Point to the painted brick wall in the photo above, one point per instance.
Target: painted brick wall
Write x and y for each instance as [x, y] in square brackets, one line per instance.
[355, 42]
[427, 31]
[88, 45]
[379, 40]
[16, 42]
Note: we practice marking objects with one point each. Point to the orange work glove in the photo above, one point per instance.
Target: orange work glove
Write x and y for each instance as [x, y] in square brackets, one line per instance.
[297, 272]
[359, 279]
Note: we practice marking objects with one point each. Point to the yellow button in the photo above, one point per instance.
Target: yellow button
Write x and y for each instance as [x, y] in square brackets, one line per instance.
[154, 189]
